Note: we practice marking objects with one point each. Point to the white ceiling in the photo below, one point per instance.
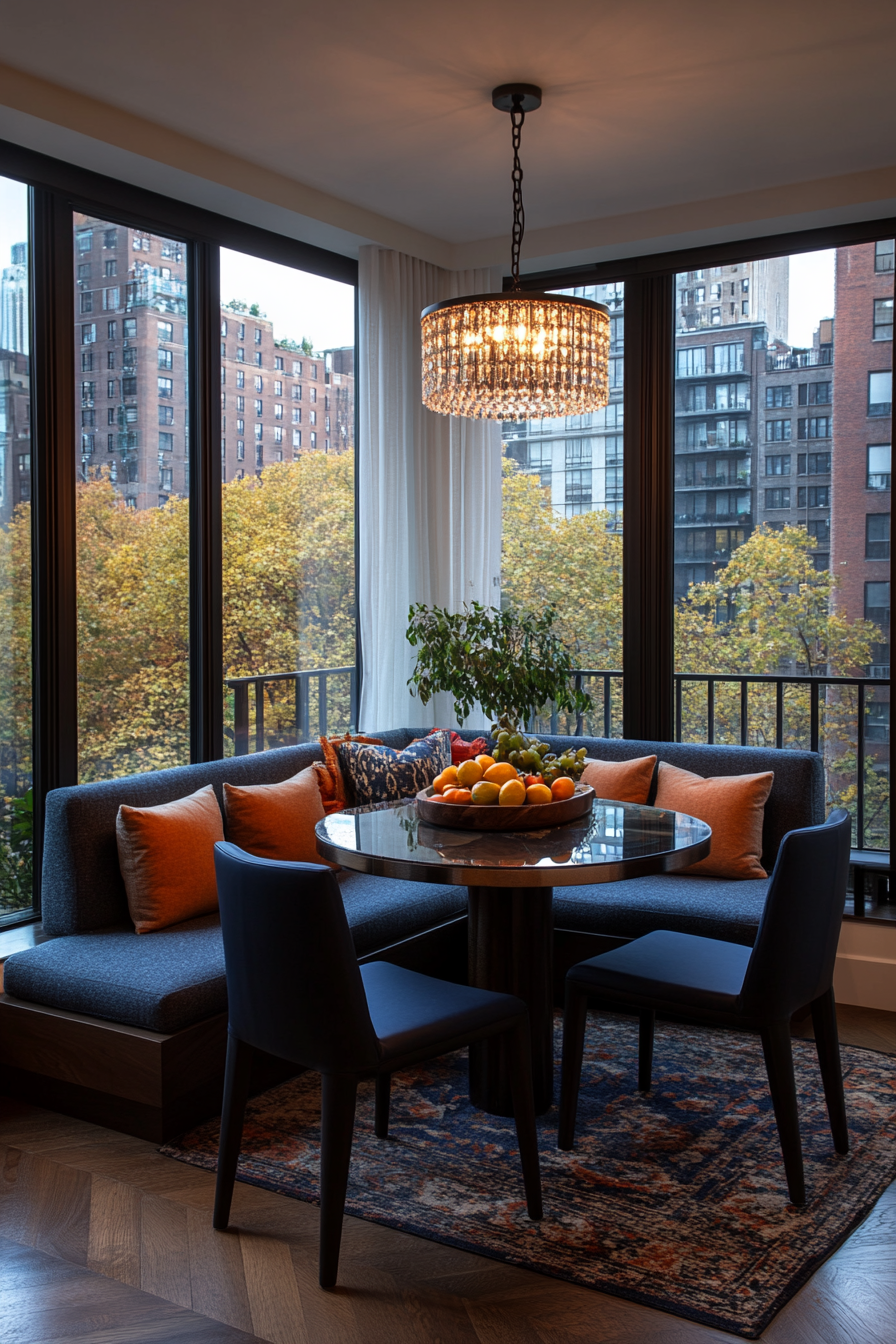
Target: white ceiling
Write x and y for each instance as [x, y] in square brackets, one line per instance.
[385, 103]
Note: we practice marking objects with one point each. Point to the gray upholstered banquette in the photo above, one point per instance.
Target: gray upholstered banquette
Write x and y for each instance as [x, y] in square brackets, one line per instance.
[94, 963]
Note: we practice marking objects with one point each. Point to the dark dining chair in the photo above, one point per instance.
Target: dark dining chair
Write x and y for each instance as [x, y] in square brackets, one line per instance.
[723, 984]
[295, 990]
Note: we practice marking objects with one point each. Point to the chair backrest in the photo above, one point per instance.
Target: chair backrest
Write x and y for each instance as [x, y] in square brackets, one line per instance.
[792, 961]
[294, 987]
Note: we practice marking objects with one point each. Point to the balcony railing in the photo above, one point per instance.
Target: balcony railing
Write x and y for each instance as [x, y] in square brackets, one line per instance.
[305, 690]
[800, 359]
[816, 713]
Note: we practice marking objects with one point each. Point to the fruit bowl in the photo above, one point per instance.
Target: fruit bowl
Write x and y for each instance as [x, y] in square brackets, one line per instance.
[528, 817]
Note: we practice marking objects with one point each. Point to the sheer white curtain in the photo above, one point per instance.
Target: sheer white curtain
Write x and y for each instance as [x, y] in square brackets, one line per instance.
[429, 487]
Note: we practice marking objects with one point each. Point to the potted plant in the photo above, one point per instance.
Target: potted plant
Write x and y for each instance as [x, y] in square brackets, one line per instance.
[511, 662]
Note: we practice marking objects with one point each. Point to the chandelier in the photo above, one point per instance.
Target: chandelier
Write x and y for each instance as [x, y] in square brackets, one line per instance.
[518, 355]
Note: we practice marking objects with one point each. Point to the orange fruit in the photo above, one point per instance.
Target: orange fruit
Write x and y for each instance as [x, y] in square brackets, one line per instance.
[449, 773]
[438, 784]
[501, 773]
[459, 796]
[447, 791]
[533, 779]
[485, 761]
[469, 774]
[513, 793]
[485, 792]
[539, 793]
[564, 787]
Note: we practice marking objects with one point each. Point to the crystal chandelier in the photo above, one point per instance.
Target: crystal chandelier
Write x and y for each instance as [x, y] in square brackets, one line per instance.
[519, 355]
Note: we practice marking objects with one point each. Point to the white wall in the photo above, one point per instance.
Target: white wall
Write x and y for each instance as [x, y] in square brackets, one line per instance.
[865, 973]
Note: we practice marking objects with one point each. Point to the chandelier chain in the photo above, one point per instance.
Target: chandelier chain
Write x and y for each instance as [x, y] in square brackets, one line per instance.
[517, 117]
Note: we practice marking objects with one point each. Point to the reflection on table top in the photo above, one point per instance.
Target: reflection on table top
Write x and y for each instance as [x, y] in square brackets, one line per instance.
[617, 840]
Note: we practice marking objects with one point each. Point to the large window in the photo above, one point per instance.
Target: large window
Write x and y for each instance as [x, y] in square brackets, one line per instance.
[791, 596]
[562, 528]
[16, 812]
[289, 508]
[132, 502]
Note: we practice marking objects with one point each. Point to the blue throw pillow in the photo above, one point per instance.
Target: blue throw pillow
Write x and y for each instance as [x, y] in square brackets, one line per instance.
[383, 775]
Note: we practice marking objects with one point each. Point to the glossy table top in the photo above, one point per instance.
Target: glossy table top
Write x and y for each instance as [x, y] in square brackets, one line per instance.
[618, 840]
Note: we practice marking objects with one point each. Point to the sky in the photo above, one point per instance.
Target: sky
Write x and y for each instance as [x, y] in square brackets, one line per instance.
[299, 305]
[811, 294]
[302, 305]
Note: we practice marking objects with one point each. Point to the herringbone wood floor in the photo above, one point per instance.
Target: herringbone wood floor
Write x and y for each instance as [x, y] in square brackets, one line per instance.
[102, 1239]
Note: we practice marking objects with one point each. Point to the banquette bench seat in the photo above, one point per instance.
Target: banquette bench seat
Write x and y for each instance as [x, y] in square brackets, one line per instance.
[162, 996]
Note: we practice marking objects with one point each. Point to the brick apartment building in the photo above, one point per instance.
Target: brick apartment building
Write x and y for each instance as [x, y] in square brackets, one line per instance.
[132, 378]
[862, 416]
[795, 401]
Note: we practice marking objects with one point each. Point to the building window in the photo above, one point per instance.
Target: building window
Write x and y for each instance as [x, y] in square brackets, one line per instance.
[240, 378]
[880, 392]
[779, 396]
[312, 371]
[297, 415]
[745, 308]
[877, 536]
[129, 387]
[777, 466]
[820, 529]
[110, 238]
[88, 333]
[278, 361]
[278, 411]
[297, 392]
[240, 426]
[240, 450]
[85, 240]
[312, 417]
[877, 603]
[883, 255]
[883, 320]
[278, 388]
[259, 383]
[88, 392]
[700, 294]
[715, 291]
[166, 443]
[240, 355]
[259, 431]
[166, 415]
[258, 358]
[777, 431]
[715, 317]
[223, 326]
[166, 358]
[297, 368]
[259, 455]
[165, 478]
[728, 358]
[816, 394]
[814, 497]
[166, 331]
[313, 440]
[278, 433]
[166, 387]
[297, 438]
[878, 473]
[813, 464]
[816, 427]
[112, 299]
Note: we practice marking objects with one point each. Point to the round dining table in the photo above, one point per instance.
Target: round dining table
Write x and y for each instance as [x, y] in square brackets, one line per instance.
[510, 877]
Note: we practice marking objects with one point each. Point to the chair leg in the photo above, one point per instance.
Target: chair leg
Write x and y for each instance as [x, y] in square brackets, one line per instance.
[383, 1099]
[646, 1023]
[337, 1126]
[824, 1022]
[236, 1094]
[574, 1015]
[524, 1115]
[779, 1066]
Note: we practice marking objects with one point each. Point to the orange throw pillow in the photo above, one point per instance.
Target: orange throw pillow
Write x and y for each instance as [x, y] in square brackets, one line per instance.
[167, 859]
[276, 821]
[621, 781]
[733, 805]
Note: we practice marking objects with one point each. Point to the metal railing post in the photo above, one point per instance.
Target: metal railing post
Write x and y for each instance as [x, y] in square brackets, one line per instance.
[302, 700]
[711, 710]
[259, 713]
[322, 715]
[860, 772]
[241, 719]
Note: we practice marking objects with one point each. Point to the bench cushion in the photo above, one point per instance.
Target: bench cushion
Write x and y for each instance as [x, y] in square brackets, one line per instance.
[168, 980]
[714, 907]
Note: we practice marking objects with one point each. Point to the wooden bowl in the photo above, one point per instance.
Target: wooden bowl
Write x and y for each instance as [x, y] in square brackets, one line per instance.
[479, 817]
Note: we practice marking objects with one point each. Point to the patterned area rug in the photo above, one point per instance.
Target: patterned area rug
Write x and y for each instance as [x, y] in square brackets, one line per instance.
[675, 1199]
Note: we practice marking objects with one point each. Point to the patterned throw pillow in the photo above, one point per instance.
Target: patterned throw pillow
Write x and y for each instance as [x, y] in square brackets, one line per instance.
[381, 774]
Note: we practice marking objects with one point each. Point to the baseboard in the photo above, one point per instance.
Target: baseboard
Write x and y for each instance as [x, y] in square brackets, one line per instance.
[865, 970]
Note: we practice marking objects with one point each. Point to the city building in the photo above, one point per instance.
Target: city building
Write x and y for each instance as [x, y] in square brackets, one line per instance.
[132, 349]
[794, 403]
[14, 302]
[579, 457]
[15, 432]
[723, 296]
[862, 425]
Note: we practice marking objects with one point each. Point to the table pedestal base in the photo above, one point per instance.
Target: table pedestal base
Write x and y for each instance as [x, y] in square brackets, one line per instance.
[511, 942]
